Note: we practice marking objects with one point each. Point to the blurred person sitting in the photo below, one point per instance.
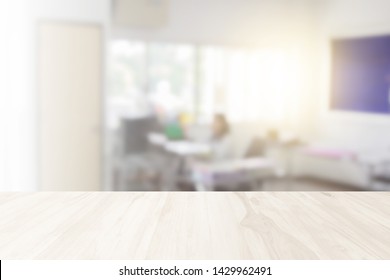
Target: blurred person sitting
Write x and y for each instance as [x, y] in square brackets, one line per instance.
[222, 146]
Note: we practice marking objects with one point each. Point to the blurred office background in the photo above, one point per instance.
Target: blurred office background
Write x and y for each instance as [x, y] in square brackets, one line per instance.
[125, 95]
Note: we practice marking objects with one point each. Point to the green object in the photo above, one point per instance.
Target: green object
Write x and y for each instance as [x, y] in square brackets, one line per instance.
[174, 131]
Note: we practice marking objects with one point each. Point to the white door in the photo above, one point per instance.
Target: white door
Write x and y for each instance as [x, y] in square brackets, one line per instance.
[70, 116]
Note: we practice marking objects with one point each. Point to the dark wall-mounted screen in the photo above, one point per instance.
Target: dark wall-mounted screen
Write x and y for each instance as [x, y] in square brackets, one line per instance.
[361, 75]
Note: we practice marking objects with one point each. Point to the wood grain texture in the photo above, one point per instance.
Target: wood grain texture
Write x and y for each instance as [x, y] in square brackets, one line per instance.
[195, 226]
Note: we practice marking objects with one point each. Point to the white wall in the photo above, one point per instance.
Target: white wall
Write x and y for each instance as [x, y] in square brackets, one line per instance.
[3, 89]
[18, 165]
[94, 11]
[238, 22]
[353, 15]
[16, 151]
[348, 18]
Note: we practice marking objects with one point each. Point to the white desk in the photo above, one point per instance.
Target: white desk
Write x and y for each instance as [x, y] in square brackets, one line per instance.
[187, 148]
[208, 175]
[157, 139]
[179, 148]
[231, 173]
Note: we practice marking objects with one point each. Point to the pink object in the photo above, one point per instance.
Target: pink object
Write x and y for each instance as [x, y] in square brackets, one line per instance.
[336, 154]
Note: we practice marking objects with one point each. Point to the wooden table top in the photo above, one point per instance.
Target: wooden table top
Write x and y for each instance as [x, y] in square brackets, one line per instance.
[193, 226]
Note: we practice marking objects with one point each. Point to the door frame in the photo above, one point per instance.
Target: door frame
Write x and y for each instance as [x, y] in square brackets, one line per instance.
[103, 86]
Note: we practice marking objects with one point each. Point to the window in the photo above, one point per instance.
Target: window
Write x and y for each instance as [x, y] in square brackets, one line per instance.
[245, 84]
[127, 68]
[171, 74]
[212, 76]
[127, 82]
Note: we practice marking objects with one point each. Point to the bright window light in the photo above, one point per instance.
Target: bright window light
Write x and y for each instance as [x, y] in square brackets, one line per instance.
[247, 85]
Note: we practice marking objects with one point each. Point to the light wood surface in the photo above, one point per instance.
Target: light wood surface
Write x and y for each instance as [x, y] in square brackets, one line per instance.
[195, 226]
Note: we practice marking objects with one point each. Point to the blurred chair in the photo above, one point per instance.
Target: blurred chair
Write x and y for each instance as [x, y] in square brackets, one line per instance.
[137, 168]
[256, 148]
[135, 134]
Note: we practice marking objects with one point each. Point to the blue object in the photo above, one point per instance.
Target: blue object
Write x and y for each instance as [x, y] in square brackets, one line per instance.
[361, 75]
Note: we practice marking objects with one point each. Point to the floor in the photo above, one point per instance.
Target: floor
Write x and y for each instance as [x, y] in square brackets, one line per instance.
[189, 225]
